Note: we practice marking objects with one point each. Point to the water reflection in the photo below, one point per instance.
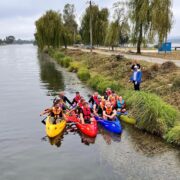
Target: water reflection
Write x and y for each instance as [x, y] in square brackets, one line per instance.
[145, 143]
[52, 78]
[56, 141]
[108, 136]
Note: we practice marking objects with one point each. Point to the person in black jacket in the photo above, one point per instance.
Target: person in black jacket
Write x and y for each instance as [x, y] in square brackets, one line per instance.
[64, 98]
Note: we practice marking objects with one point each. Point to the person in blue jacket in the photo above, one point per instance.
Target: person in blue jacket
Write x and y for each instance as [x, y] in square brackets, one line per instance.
[136, 78]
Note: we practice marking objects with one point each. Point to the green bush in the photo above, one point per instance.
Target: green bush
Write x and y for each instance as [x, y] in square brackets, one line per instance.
[74, 66]
[173, 136]
[151, 112]
[67, 60]
[83, 74]
[176, 83]
[58, 56]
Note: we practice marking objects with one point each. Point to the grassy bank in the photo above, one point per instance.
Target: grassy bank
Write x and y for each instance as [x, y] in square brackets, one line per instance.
[152, 113]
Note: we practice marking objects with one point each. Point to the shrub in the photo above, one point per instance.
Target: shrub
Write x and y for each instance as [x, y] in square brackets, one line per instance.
[173, 136]
[65, 62]
[83, 74]
[74, 66]
[152, 114]
[58, 56]
[176, 83]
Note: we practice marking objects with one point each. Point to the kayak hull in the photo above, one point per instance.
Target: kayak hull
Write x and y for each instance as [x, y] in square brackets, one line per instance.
[52, 130]
[87, 129]
[124, 117]
[112, 126]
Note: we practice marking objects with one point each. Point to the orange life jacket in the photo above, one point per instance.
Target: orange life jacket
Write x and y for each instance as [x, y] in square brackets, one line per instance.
[108, 110]
[112, 100]
[86, 113]
[56, 111]
[102, 104]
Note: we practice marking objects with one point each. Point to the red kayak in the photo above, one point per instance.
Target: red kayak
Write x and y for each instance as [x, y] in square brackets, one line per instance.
[87, 129]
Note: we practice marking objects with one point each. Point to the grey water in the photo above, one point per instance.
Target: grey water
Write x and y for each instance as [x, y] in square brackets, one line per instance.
[28, 80]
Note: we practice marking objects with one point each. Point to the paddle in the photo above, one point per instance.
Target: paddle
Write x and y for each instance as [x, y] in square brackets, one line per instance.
[43, 121]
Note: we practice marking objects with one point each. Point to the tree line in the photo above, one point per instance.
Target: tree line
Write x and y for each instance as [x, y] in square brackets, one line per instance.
[134, 21]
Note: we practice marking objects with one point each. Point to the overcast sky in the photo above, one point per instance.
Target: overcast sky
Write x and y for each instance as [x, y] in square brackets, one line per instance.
[17, 17]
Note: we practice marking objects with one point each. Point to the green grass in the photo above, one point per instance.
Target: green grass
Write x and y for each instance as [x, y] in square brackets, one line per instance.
[83, 74]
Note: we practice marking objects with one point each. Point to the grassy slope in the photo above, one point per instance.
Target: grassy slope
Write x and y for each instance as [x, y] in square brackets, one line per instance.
[151, 112]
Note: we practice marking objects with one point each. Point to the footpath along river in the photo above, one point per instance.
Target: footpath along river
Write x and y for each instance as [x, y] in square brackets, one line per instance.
[26, 154]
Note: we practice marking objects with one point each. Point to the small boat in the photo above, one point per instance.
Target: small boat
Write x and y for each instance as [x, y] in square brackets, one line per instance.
[87, 129]
[112, 126]
[124, 117]
[52, 130]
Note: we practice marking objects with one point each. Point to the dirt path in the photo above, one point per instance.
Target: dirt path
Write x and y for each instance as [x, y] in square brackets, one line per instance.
[132, 57]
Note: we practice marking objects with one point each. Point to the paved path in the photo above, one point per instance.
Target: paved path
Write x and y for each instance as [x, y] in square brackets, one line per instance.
[132, 57]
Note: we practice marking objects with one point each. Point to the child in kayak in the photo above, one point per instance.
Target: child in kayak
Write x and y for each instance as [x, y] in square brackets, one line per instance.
[85, 114]
[56, 113]
[76, 99]
[113, 98]
[120, 105]
[109, 112]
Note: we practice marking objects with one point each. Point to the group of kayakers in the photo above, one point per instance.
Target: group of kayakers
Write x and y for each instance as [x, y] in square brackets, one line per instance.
[107, 106]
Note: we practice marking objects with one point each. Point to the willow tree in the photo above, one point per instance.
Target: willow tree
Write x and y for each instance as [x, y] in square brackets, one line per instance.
[118, 30]
[70, 25]
[150, 17]
[162, 18]
[48, 30]
[112, 35]
[99, 25]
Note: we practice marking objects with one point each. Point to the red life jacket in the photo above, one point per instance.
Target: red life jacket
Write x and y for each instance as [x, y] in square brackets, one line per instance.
[77, 99]
[96, 100]
[109, 92]
[80, 104]
[86, 113]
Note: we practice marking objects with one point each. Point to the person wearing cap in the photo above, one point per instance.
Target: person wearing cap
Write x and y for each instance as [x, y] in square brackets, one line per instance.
[136, 78]
[135, 64]
[64, 98]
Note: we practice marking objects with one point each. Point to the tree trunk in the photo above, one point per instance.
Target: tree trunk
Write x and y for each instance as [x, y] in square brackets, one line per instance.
[64, 41]
[139, 39]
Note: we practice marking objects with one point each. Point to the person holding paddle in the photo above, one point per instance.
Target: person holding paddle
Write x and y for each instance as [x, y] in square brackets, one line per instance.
[56, 113]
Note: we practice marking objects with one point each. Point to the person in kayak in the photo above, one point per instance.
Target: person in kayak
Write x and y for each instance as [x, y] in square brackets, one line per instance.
[107, 93]
[95, 101]
[56, 113]
[112, 98]
[109, 112]
[85, 114]
[98, 110]
[64, 98]
[120, 105]
[76, 99]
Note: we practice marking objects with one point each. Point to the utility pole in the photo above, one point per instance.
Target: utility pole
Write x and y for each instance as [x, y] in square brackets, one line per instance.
[90, 25]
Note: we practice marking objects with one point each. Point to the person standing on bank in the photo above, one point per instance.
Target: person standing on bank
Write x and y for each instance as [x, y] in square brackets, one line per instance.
[136, 78]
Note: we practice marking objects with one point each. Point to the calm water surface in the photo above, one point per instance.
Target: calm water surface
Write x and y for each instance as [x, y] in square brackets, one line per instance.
[26, 80]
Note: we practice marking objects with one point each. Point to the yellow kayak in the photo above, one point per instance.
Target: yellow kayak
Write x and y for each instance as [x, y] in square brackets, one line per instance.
[127, 119]
[53, 130]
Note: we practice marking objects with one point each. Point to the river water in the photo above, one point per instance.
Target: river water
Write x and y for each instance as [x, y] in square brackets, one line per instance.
[26, 153]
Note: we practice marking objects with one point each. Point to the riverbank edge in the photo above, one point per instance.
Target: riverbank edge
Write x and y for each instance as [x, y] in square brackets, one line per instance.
[156, 116]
